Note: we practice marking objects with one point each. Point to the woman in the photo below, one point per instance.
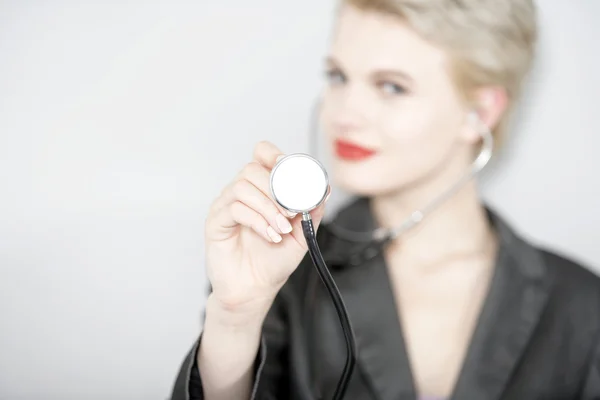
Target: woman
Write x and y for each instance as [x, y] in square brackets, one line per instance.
[460, 307]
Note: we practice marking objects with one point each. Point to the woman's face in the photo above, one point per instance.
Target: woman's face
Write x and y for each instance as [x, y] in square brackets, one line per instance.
[390, 111]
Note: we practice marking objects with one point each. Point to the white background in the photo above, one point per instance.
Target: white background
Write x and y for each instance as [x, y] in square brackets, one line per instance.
[119, 122]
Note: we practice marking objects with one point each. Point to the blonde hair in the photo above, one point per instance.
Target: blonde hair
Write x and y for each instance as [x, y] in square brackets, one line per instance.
[490, 42]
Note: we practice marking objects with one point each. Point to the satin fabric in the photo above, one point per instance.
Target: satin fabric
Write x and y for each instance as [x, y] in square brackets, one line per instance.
[537, 337]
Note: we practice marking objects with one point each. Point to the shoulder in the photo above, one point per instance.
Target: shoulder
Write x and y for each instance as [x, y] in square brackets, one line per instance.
[572, 287]
[574, 281]
[571, 269]
[569, 275]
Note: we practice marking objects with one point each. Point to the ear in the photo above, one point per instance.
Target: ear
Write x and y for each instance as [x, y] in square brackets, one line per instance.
[489, 104]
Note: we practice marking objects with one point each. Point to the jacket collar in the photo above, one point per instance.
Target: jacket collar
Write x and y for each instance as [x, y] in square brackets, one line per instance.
[518, 293]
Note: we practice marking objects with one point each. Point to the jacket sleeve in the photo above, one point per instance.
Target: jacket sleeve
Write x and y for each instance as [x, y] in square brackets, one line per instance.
[270, 367]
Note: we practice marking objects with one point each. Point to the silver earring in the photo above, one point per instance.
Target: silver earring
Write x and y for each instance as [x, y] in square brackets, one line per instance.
[487, 139]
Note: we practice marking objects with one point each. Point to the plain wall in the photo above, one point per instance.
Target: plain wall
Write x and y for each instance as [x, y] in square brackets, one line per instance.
[119, 123]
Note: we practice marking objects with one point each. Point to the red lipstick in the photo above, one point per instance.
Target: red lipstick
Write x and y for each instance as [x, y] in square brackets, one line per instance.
[352, 152]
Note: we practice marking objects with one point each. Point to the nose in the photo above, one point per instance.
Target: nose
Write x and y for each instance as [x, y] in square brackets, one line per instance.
[353, 100]
[346, 109]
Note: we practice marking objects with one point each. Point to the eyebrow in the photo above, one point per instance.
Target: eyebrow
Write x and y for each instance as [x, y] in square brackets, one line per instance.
[331, 61]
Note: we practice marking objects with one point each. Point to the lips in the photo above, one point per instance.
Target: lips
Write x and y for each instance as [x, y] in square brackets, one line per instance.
[352, 152]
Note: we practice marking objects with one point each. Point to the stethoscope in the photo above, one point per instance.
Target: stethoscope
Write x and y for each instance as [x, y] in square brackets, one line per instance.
[299, 183]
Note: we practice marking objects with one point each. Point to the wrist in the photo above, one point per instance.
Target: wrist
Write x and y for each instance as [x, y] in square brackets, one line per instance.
[239, 316]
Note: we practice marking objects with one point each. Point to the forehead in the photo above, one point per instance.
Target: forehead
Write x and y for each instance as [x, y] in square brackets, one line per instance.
[366, 40]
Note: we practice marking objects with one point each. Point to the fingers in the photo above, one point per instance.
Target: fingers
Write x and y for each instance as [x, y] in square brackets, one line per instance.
[248, 201]
[247, 193]
[239, 213]
[267, 154]
[251, 191]
[257, 175]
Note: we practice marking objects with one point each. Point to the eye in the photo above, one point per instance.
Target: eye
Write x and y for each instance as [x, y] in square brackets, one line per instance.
[335, 77]
[391, 88]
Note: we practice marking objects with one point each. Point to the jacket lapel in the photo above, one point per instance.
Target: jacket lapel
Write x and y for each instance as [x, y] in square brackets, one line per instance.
[518, 294]
[382, 356]
[516, 299]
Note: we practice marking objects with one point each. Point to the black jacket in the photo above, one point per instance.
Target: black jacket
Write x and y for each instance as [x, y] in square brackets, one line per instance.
[537, 337]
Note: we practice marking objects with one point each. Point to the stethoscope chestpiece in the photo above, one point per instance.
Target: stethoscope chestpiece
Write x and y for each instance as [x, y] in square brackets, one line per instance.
[299, 183]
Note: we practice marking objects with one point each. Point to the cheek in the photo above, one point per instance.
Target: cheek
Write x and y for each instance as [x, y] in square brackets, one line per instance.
[414, 139]
[416, 142]
[416, 133]
[325, 116]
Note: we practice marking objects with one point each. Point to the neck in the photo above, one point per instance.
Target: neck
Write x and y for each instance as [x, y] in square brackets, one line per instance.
[457, 228]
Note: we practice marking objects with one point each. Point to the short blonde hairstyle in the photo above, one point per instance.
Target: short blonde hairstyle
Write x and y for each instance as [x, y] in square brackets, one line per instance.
[490, 42]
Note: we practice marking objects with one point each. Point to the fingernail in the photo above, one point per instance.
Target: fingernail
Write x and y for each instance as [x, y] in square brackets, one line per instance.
[291, 214]
[279, 158]
[327, 197]
[273, 235]
[283, 224]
